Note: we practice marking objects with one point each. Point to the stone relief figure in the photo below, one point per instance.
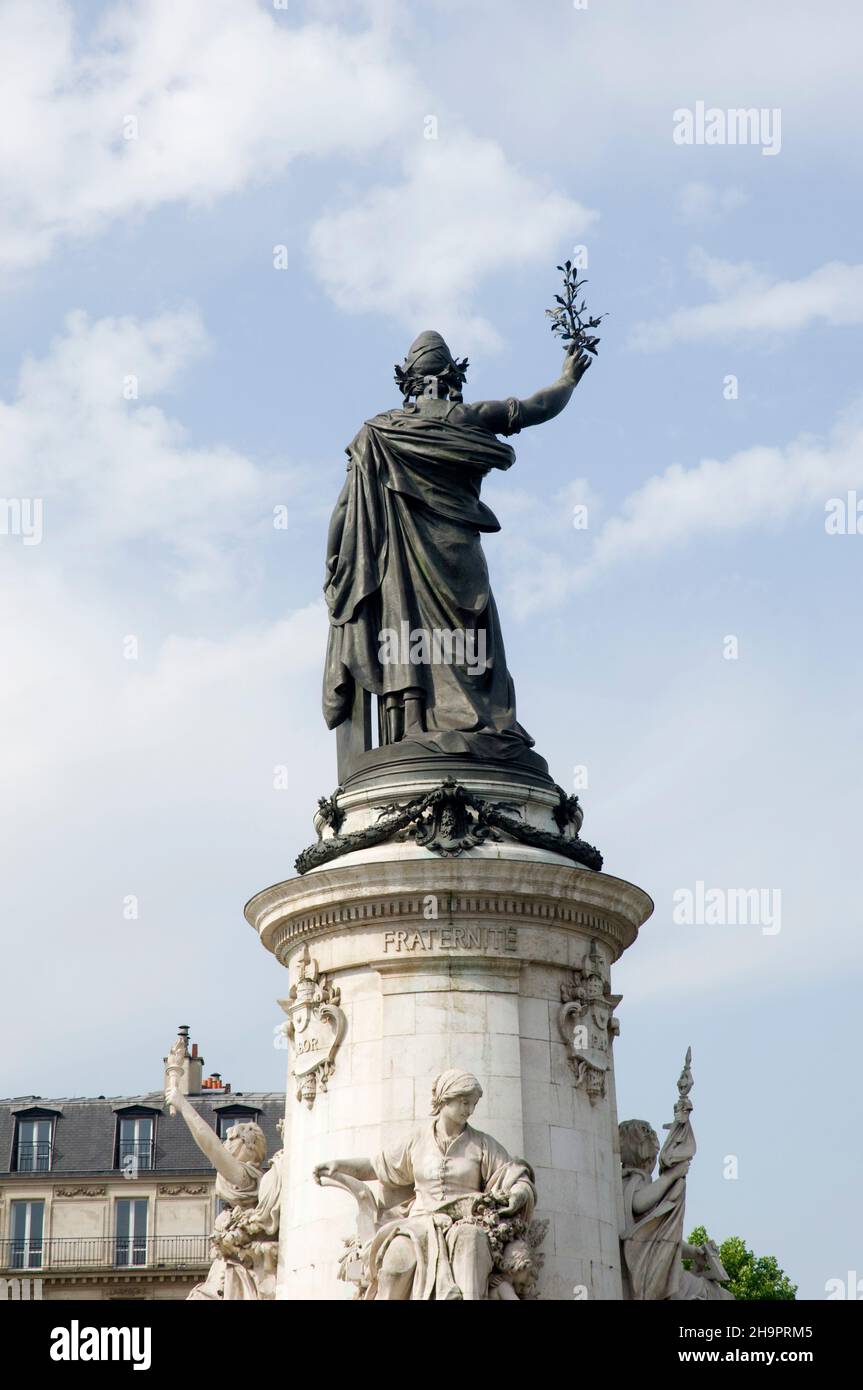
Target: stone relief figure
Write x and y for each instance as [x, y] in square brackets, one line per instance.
[517, 1265]
[404, 560]
[455, 1219]
[653, 1245]
[245, 1240]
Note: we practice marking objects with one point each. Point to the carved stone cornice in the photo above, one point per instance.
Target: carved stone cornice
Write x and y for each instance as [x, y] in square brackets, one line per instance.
[540, 902]
[402, 909]
[114, 1283]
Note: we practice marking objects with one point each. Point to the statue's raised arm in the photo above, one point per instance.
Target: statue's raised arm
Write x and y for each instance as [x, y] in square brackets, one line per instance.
[504, 417]
[228, 1159]
[244, 1241]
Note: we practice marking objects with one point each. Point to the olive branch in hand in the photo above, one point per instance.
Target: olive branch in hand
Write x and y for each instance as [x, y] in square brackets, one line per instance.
[568, 319]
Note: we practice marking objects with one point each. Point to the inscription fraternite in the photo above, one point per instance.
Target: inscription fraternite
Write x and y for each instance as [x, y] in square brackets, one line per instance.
[493, 940]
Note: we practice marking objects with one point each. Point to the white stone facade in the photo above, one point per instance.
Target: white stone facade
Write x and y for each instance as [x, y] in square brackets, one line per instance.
[455, 962]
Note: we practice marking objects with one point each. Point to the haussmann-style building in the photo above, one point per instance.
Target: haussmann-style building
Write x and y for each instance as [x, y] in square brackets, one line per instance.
[108, 1197]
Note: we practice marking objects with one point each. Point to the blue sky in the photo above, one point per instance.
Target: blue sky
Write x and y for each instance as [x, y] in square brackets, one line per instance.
[152, 258]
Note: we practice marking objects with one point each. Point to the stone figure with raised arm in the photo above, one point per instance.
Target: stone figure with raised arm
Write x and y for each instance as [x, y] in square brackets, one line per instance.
[245, 1239]
[455, 1207]
[653, 1245]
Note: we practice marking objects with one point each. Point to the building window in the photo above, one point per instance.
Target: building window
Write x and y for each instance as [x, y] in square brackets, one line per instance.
[130, 1246]
[28, 1221]
[226, 1120]
[135, 1147]
[33, 1153]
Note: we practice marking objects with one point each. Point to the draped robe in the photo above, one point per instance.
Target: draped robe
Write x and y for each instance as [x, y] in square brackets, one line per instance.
[443, 1178]
[407, 557]
[254, 1211]
[652, 1241]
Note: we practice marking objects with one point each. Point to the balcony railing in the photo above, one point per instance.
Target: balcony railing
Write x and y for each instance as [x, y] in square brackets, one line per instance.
[136, 1154]
[34, 1156]
[106, 1252]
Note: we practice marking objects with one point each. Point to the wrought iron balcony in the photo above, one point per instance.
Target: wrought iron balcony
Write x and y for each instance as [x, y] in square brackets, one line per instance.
[136, 1155]
[72, 1253]
[34, 1155]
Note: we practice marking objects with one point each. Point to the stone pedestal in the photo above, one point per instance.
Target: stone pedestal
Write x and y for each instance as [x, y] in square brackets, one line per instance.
[404, 963]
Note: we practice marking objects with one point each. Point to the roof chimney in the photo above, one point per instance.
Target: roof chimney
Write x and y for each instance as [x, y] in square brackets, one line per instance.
[214, 1082]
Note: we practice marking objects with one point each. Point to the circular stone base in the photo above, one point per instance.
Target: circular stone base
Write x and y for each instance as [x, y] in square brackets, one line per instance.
[409, 758]
[475, 963]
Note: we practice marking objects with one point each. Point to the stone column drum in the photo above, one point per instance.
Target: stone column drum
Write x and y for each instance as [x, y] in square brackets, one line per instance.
[493, 961]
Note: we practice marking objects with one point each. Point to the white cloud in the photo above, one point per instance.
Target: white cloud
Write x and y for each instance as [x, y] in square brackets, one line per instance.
[153, 722]
[112, 471]
[223, 93]
[153, 776]
[704, 202]
[133, 512]
[763, 486]
[418, 249]
[599, 86]
[750, 304]
[540, 537]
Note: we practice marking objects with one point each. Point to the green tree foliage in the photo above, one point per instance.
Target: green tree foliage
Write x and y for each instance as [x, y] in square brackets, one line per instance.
[751, 1277]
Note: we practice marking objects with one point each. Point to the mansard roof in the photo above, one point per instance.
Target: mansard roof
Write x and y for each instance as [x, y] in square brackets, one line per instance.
[85, 1128]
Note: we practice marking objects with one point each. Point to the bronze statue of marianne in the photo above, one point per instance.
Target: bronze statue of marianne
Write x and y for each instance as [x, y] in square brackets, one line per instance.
[412, 616]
